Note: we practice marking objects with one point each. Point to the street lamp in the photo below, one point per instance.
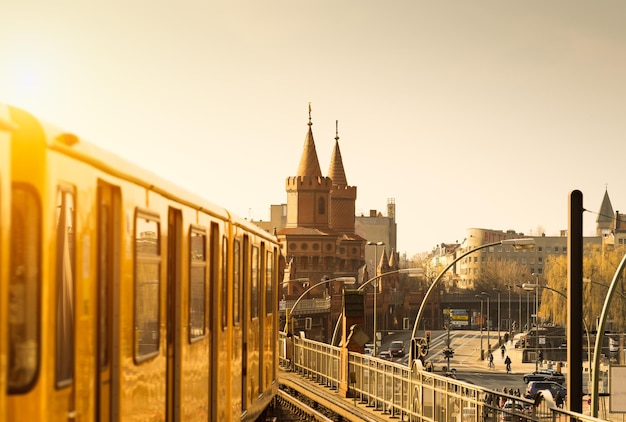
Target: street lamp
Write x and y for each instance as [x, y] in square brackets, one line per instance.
[410, 271]
[510, 324]
[527, 308]
[482, 318]
[526, 242]
[519, 305]
[347, 280]
[600, 337]
[488, 318]
[376, 245]
[584, 323]
[498, 292]
[530, 287]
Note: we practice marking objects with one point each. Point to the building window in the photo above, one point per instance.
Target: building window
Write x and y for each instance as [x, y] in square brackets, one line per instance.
[540, 248]
[321, 206]
[548, 249]
[540, 260]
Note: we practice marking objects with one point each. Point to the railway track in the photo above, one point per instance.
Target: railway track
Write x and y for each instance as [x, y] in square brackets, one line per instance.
[293, 406]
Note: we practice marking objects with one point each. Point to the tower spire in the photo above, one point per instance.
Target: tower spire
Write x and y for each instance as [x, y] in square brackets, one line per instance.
[309, 164]
[336, 171]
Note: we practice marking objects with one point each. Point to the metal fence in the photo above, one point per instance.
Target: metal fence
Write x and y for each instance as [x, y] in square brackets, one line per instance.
[413, 394]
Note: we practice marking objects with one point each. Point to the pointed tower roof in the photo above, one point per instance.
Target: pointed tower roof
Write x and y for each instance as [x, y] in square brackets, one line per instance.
[309, 164]
[336, 171]
[605, 215]
[383, 264]
[392, 259]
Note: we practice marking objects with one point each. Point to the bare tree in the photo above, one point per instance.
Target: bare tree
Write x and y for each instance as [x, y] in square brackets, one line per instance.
[499, 274]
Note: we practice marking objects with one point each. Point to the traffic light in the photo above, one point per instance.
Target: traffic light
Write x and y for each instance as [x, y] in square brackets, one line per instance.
[428, 337]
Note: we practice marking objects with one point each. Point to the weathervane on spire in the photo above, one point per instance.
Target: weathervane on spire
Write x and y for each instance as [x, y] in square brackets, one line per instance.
[310, 123]
[336, 130]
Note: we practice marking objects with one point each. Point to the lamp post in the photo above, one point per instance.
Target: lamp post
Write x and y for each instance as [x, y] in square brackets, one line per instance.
[517, 243]
[376, 245]
[498, 292]
[529, 287]
[519, 304]
[600, 337]
[286, 283]
[510, 324]
[410, 271]
[488, 318]
[350, 280]
[482, 318]
[535, 286]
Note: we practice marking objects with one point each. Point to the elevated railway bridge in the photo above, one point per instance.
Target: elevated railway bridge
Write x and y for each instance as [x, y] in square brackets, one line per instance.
[360, 387]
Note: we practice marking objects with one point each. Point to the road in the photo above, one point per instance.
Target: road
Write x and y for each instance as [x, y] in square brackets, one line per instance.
[466, 361]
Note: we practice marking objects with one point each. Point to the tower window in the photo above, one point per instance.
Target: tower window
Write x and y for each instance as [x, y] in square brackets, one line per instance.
[321, 206]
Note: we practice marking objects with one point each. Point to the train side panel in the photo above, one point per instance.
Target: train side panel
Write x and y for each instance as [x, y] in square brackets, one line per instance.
[6, 127]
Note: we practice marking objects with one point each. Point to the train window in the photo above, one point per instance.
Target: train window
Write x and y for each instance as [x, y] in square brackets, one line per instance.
[224, 298]
[254, 283]
[24, 291]
[236, 281]
[197, 284]
[147, 286]
[269, 284]
[65, 241]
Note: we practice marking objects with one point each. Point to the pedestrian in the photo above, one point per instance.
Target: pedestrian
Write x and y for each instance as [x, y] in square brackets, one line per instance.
[491, 360]
[503, 349]
[507, 362]
[558, 399]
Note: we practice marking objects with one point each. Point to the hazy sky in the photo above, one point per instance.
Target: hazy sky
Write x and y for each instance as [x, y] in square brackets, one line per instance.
[467, 113]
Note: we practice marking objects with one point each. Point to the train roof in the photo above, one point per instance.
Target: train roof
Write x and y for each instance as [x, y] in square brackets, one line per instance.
[109, 162]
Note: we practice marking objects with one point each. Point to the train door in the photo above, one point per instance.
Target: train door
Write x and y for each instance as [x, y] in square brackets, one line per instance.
[214, 320]
[174, 256]
[108, 282]
[262, 313]
[245, 314]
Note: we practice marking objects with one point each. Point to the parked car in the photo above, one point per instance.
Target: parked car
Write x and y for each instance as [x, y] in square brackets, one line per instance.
[512, 411]
[536, 386]
[545, 375]
[397, 348]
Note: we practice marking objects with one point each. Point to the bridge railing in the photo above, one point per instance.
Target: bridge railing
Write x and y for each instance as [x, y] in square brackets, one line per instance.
[412, 393]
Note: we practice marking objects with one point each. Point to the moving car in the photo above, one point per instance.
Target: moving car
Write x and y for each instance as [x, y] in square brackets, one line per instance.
[397, 348]
[536, 386]
[545, 375]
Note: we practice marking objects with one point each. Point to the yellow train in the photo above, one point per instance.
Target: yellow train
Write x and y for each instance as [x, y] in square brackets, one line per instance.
[122, 296]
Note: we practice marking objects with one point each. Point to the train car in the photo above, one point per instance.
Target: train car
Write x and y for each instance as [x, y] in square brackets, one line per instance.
[130, 298]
